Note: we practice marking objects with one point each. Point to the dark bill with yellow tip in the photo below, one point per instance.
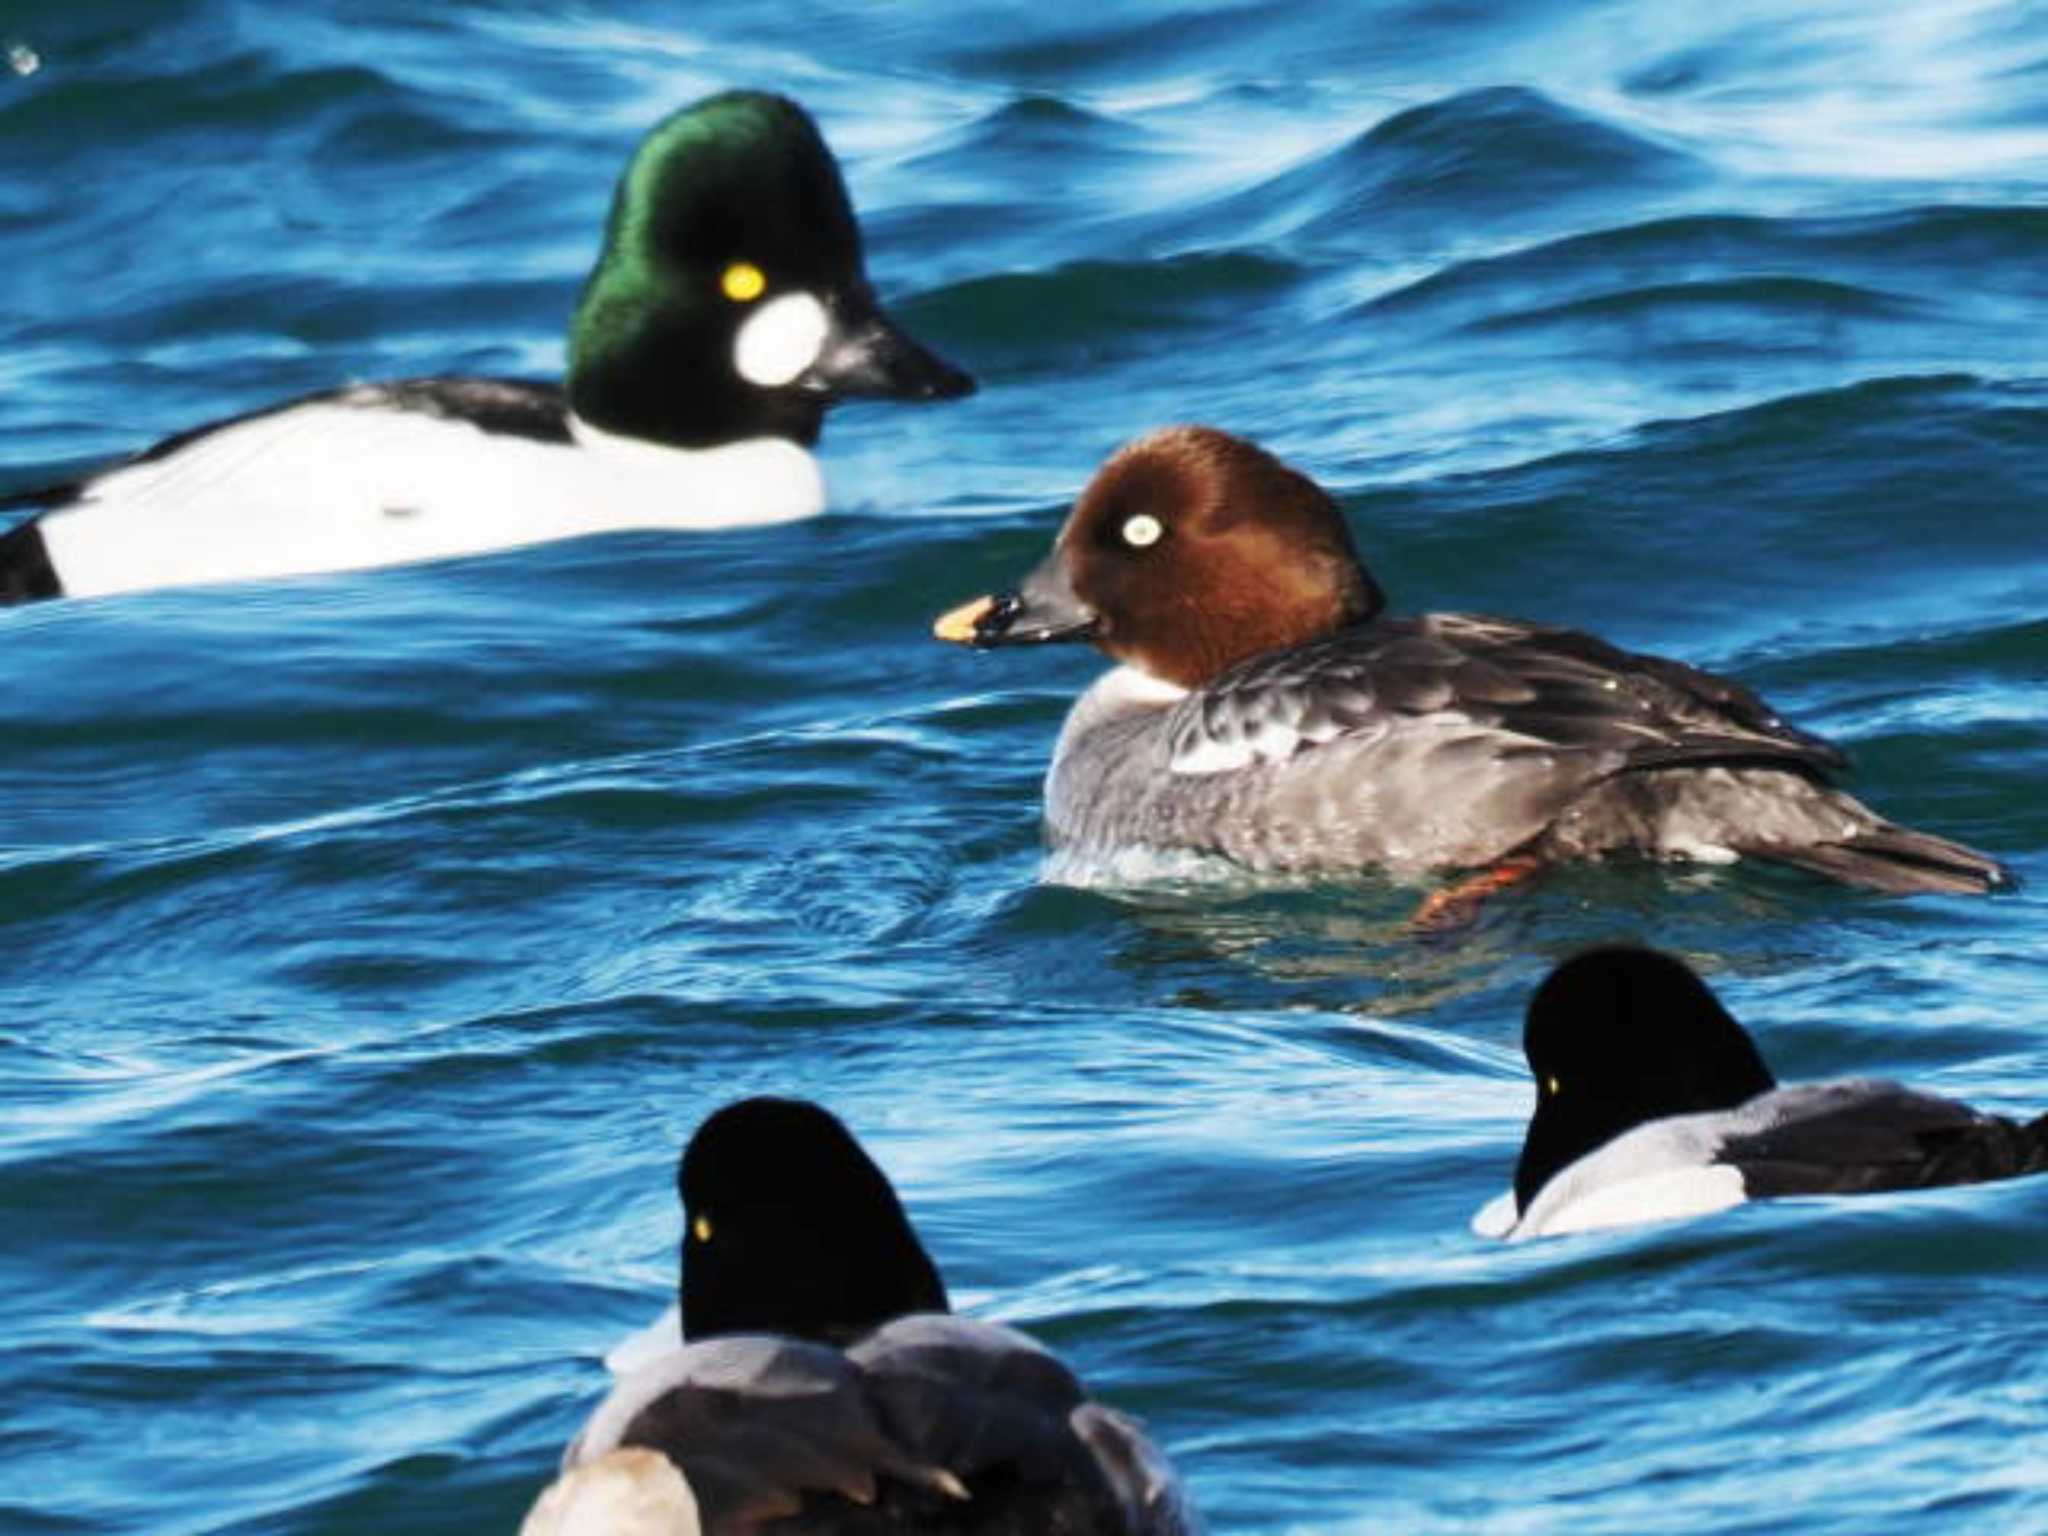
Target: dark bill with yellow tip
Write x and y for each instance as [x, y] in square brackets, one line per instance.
[962, 625]
[1043, 608]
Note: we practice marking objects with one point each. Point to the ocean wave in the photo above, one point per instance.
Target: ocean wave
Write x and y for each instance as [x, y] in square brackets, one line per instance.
[1480, 163]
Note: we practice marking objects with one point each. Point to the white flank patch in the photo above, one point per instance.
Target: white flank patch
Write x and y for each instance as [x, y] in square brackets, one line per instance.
[780, 340]
[339, 485]
[1656, 1172]
[1659, 1171]
[1668, 1196]
[1272, 743]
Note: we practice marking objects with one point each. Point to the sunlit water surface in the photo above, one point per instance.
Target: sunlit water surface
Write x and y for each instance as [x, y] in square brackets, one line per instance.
[369, 944]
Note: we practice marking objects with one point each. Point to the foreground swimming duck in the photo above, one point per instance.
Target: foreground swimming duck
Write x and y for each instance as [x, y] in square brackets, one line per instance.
[824, 1387]
[1266, 709]
[729, 308]
[1653, 1103]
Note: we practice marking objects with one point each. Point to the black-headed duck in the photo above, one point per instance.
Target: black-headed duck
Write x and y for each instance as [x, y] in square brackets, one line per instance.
[1653, 1103]
[820, 1382]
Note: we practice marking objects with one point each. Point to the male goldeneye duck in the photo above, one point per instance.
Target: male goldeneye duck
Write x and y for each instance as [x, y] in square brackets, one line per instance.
[728, 309]
[1652, 1103]
[821, 1384]
[1267, 709]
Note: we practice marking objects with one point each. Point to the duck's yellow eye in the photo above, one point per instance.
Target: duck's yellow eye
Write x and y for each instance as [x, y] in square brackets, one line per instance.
[1552, 1086]
[701, 1229]
[1143, 531]
[743, 282]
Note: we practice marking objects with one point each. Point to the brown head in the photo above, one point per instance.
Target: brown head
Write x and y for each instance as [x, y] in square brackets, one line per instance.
[1190, 550]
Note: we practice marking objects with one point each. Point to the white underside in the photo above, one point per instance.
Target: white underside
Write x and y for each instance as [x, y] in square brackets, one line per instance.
[336, 486]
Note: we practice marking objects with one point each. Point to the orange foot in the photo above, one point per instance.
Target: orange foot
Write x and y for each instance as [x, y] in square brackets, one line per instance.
[1457, 905]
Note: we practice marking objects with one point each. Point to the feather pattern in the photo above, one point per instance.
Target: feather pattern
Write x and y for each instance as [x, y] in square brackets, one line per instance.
[1445, 741]
[931, 1422]
[1524, 688]
[1862, 1135]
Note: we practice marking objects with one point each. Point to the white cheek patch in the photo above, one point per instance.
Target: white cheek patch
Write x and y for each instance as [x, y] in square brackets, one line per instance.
[780, 340]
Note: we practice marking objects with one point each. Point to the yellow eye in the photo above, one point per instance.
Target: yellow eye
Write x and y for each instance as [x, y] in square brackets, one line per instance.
[1552, 1086]
[701, 1229]
[743, 282]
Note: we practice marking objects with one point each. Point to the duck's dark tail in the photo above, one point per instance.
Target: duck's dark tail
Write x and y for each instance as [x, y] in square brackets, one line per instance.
[1884, 856]
[1993, 1148]
[26, 575]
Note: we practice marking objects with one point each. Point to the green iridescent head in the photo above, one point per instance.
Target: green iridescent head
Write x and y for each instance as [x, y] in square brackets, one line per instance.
[731, 299]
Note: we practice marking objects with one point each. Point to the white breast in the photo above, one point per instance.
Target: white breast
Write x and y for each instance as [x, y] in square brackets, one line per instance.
[335, 486]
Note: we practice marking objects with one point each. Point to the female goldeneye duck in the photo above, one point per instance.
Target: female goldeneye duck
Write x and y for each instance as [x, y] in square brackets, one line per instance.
[1268, 710]
[1652, 1103]
[822, 1384]
[728, 309]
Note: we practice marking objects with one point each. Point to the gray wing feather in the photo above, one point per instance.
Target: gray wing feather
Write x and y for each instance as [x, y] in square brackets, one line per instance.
[761, 1426]
[1523, 688]
[1864, 1135]
[975, 1395]
[1144, 1484]
[756, 1423]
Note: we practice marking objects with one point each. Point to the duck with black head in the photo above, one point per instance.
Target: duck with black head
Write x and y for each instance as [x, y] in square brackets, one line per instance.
[820, 1382]
[1267, 708]
[1653, 1103]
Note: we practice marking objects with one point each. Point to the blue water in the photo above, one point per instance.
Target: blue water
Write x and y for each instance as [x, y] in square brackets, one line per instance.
[369, 944]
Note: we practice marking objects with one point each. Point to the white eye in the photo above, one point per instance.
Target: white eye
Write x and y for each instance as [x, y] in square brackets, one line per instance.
[781, 339]
[1143, 530]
